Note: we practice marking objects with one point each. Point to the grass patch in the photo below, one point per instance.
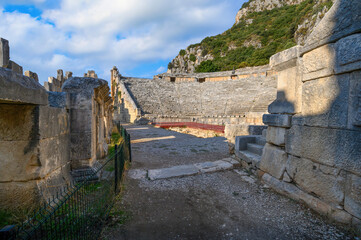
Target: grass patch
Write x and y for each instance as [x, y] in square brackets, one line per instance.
[5, 218]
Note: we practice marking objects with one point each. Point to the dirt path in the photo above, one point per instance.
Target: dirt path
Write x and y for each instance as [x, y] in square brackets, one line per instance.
[220, 205]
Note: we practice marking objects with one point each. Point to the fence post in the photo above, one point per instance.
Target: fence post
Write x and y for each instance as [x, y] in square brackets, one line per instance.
[129, 148]
[116, 168]
[123, 133]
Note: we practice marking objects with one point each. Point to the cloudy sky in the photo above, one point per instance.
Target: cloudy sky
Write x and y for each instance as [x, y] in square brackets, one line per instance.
[140, 37]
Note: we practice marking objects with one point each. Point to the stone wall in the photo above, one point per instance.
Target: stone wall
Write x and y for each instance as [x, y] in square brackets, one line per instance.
[44, 135]
[313, 150]
[248, 72]
[55, 84]
[34, 143]
[90, 119]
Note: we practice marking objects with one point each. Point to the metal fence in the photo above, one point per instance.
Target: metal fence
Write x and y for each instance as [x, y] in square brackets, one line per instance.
[78, 211]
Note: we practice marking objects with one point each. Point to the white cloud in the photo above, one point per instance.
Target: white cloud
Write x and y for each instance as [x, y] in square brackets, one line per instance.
[160, 69]
[83, 34]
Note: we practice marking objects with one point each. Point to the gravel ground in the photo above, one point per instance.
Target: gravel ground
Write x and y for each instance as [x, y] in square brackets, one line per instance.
[220, 205]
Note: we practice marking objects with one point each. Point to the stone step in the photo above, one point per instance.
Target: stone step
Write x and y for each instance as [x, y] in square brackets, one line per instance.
[261, 140]
[249, 157]
[80, 175]
[255, 148]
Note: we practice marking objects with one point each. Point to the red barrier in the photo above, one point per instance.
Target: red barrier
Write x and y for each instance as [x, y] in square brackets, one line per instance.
[216, 128]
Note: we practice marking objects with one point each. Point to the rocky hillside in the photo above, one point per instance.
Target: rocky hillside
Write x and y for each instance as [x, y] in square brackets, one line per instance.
[262, 28]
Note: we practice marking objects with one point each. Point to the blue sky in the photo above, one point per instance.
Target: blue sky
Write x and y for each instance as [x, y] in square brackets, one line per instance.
[140, 37]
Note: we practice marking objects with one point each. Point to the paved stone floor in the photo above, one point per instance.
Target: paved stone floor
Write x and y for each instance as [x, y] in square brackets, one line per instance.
[229, 204]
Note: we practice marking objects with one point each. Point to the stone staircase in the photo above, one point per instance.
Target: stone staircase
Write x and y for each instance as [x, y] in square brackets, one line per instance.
[250, 148]
[89, 173]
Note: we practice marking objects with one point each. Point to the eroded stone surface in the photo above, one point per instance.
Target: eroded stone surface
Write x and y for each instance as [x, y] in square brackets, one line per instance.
[276, 135]
[324, 101]
[273, 161]
[332, 147]
[353, 195]
[177, 171]
[310, 177]
[277, 120]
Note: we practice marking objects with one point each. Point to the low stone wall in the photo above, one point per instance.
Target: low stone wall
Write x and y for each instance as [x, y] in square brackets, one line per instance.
[313, 150]
[249, 72]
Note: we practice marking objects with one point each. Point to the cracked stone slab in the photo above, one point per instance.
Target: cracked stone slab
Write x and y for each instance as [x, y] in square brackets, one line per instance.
[232, 161]
[177, 171]
[219, 165]
[137, 173]
[241, 172]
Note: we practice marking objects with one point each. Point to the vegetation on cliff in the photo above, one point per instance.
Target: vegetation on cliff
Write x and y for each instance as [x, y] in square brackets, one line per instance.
[255, 38]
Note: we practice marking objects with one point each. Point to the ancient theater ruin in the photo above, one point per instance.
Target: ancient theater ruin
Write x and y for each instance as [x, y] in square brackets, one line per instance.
[290, 129]
[295, 122]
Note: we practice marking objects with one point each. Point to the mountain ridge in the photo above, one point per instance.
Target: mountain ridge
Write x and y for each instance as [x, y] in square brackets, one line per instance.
[262, 28]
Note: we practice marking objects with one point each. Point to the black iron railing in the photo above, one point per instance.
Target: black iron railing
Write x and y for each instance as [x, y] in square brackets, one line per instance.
[78, 211]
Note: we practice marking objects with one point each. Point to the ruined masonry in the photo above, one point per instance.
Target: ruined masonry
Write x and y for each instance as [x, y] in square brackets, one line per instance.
[311, 148]
[48, 133]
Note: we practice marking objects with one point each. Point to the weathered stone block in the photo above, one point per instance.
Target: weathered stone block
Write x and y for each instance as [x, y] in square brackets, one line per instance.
[177, 171]
[276, 135]
[55, 181]
[314, 203]
[80, 147]
[353, 195]
[325, 101]
[348, 54]
[15, 67]
[312, 179]
[53, 153]
[79, 101]
[32, 75]
[319, 62]
[81, 120]
[4, 53]
[53, 122]
[281, 107]
[20, 89]
[277, 120]
[341, 20]
[48, 86]
[19, 196]
[19, 161]
[273, 161]
[59, 99]
[354, 109]
[17, 122]
[285, 59]
[332, 147]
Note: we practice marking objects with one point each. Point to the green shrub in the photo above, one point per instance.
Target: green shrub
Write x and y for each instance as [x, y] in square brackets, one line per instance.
[207, 66]
[192, 58]
[170, 65]
[182, 52]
